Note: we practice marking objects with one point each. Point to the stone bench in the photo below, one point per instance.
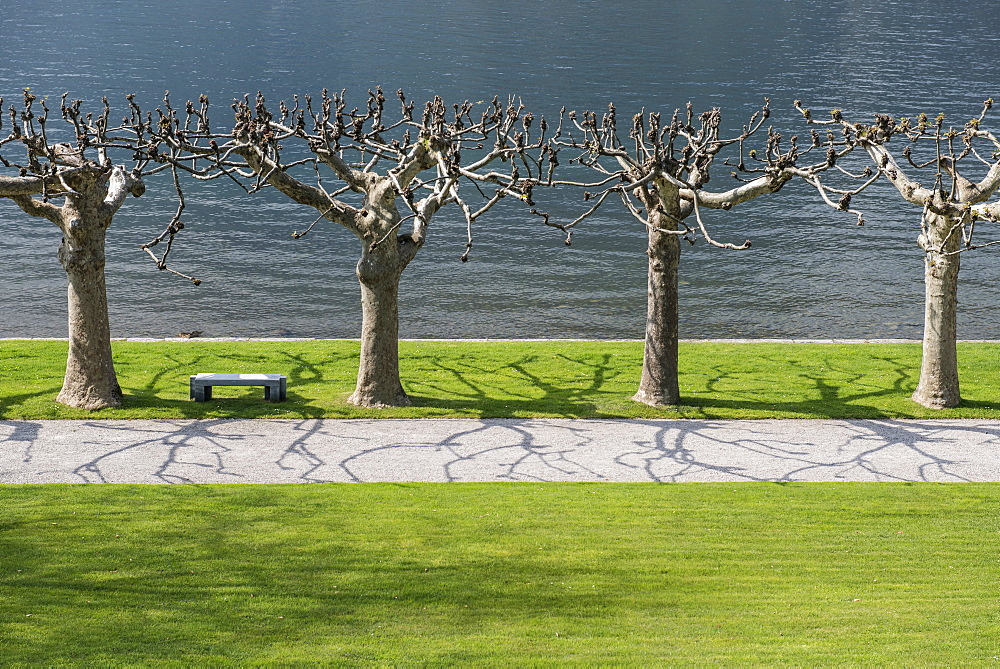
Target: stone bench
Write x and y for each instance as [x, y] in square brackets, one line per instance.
[274, 384]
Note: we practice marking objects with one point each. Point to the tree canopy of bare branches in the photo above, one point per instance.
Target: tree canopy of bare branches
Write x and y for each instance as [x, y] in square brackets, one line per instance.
[380, 175]
[951, 205]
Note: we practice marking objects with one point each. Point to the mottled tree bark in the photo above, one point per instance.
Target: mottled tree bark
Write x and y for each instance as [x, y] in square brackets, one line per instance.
[938, 387]
[379, 384]
[90, 381]
[658, 384]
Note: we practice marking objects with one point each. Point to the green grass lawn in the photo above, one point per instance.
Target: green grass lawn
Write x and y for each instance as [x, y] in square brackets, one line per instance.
[511, 379]
[500, 574]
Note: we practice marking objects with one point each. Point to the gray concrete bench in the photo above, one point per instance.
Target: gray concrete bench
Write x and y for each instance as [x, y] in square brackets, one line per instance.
[274, 384]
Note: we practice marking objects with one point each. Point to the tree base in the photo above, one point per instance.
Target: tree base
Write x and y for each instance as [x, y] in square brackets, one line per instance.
[933, 400]
[89, 401]
[657, 399]
[401, 399]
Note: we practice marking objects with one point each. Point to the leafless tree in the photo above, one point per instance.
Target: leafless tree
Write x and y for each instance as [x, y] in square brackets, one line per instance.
[382, 179]
[658, 173]
[951, 206]
[77, 186]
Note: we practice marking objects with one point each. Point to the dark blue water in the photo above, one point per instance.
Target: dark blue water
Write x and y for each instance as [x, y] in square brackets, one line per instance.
[810, 273]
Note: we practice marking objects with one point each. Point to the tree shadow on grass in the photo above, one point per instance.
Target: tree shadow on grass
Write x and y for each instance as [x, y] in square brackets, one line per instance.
[831, 388]
[840, 392]
[593, 385]
[9, 404]
[248, 404]
[513, 389]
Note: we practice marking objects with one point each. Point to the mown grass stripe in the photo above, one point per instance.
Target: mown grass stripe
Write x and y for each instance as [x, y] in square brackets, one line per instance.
[512, 574]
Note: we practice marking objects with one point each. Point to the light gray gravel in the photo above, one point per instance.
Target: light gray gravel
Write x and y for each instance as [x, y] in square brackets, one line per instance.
[308, 451]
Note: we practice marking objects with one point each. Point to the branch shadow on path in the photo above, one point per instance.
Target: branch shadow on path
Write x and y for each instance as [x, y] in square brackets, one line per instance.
[856, 450]
[540, 450]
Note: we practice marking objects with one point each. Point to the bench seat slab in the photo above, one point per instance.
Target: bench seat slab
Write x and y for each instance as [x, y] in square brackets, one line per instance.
[275, 385]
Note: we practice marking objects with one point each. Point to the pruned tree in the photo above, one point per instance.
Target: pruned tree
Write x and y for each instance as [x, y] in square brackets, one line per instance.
[382, 179]
[77, 186]
[659, 173]
[951, 205]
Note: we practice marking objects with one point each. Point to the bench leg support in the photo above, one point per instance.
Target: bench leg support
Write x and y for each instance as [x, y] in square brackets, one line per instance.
[275, 392]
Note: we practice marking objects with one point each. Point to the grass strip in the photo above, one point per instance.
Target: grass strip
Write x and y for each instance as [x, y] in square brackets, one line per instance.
[499, 574]
[511, 380]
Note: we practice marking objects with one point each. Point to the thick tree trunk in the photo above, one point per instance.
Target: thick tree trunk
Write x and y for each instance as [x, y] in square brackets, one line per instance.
[378, 370]
[658, 385]
[90, 381]
[93, 194]
[938, 387]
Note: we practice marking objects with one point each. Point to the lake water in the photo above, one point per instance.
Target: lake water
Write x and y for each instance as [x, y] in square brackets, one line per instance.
[810, 273]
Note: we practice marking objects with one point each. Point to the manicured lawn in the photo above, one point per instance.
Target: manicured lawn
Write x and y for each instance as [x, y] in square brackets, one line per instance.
[511, 379]
[500, 574]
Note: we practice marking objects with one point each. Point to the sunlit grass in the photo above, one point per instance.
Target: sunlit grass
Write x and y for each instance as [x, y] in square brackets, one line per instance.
[500, 574]
[511, 379]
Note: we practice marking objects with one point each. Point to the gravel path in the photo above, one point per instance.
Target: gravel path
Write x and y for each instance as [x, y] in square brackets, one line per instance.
[309, 451]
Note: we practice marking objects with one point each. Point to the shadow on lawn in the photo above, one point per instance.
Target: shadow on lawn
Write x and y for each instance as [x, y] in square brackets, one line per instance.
[593, 385]
[517, 389]
[841, 392]
[512, 389]
[249, 405]
[10, 403]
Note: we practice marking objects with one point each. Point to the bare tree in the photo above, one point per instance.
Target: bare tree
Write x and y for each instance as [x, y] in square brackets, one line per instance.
[950, 208]
[381, 179]
[658, 173]
[91, 188]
